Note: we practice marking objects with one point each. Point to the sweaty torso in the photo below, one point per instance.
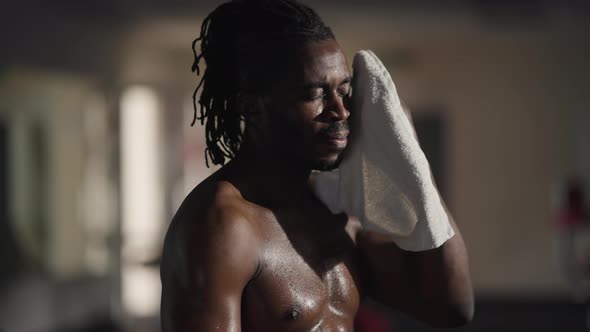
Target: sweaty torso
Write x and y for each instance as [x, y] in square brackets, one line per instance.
[308, 272]
[308, 278]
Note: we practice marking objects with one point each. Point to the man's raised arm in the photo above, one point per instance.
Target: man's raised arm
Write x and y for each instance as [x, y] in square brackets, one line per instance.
[433, 286]
[203, 282]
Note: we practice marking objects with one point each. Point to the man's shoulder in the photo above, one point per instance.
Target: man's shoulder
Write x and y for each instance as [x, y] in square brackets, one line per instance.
[227, 212]
[214, 205]
[212, 222]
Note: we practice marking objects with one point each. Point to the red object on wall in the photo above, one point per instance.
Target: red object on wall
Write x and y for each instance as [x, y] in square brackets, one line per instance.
[573, 211]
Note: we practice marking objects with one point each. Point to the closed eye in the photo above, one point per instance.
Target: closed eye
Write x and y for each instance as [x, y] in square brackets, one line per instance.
[315, 93]
[344, 92]
[344, 88]
[317, 90]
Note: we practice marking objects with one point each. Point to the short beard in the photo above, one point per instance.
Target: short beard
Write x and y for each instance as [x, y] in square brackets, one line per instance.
[327, 165]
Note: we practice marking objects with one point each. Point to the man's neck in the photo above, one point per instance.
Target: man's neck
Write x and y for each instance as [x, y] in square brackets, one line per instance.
[268, 179]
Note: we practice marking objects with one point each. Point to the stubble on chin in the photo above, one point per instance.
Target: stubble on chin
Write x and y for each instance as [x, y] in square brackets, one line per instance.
[324, 165]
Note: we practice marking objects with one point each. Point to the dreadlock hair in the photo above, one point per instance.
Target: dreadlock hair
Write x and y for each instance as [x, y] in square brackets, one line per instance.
[242, 43]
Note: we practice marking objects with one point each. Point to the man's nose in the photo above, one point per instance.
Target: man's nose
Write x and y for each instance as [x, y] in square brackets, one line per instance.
[337, 108]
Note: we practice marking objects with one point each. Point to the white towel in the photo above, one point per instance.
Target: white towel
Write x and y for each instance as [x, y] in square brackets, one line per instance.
[384, 178]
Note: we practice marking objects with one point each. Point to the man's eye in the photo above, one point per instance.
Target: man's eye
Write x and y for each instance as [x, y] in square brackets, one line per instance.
[315, 94]
[344, 93]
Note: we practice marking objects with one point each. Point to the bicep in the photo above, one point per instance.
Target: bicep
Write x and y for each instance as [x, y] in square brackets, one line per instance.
[204, 292]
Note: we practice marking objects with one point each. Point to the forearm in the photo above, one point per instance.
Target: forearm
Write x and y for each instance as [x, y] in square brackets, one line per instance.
[434, 286]
[441, 276]
[442, 282]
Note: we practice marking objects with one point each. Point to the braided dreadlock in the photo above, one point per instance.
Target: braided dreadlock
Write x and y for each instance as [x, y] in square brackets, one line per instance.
[242, 42]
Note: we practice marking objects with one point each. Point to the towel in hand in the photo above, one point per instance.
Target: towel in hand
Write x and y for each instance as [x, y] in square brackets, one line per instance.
[384, 178]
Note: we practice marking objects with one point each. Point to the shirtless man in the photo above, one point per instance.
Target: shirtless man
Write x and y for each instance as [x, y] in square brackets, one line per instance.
[251, 248]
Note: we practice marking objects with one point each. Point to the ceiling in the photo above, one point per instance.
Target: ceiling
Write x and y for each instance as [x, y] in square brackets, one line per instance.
[81, 36]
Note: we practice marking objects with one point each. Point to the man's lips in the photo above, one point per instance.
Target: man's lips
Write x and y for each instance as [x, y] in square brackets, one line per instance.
[335, 140]
[338, 135]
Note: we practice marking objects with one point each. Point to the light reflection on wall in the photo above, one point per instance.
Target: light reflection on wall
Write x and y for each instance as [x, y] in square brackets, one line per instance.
[98, 197]
[142, 199]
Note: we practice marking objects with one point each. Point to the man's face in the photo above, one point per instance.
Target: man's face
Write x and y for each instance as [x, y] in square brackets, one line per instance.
[309, 118]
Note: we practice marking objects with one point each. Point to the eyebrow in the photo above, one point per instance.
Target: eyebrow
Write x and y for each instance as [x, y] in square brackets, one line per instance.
[320, 84]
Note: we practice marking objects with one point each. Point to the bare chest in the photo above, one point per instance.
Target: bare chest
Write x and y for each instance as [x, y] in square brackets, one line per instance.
[308, 281]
